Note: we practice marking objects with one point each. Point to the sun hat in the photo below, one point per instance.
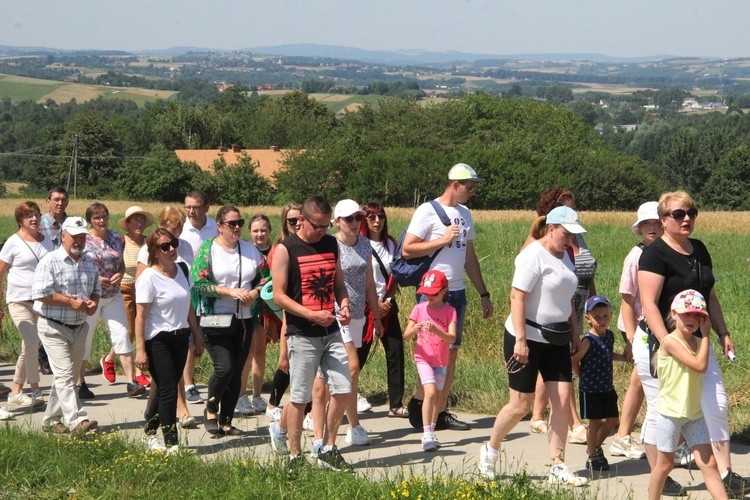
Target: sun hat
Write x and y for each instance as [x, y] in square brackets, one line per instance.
[135, 210]
[432, 282]
[567, 218]
[594, 301]
[689, 301]
[347, 207]
[75, 226]
[647, 211]
[463, 172]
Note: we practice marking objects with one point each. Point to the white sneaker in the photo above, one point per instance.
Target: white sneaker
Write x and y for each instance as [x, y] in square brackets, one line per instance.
[437, 442]
[357, 436]
[683, 456]
[428, 443]
[274, 413]
[308, 423]
[5, 414]
[259, 404]
[37, 399]
[362, 404]
[245, 406]
[560, 474]
[174, 449]
[316, 449]
[153, 444]
[19, 399]
[487, 463]
[626, 447]
[278, 439]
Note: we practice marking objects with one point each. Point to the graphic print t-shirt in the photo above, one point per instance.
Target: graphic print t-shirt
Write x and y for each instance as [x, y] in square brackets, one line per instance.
[430, 348]
[311, 282]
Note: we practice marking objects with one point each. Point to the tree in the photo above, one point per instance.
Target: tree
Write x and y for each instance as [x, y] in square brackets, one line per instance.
[729, 184]
[240, 184]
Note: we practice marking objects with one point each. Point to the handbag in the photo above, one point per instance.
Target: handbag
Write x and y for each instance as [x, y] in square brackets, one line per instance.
[554, 333]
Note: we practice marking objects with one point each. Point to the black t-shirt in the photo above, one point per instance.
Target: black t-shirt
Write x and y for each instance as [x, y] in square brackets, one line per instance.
[681, 272]
[311, 282]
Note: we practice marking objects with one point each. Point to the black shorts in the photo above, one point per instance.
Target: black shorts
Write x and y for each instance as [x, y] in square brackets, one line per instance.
[551, 361]
[598, 405]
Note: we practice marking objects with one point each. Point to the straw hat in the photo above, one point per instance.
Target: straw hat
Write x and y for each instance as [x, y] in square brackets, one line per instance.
[135, 210]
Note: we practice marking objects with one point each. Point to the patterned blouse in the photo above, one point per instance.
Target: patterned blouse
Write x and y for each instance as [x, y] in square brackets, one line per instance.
[107, 255]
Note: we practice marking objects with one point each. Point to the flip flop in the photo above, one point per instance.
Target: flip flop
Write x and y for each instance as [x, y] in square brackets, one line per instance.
[402, 412]
[211, 424]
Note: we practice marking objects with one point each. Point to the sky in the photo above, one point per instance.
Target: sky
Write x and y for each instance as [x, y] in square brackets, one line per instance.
[629, 28]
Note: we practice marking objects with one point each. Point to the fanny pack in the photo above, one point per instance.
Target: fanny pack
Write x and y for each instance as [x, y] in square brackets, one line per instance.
[653, 349]
[554, 333]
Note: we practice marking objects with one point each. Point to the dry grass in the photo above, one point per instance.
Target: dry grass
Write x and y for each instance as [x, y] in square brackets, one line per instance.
[79, 92]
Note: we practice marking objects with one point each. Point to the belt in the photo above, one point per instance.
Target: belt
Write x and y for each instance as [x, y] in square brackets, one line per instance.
[66, 325]
[643, 326]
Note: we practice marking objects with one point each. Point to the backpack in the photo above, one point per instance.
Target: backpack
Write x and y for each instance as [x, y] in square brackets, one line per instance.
[409, 272]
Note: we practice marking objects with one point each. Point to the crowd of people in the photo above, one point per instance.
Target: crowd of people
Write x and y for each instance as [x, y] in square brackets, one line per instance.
[194, 283]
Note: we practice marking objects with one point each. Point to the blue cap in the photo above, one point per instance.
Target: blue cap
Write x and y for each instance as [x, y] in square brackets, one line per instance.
[567, 218]
[594, 301]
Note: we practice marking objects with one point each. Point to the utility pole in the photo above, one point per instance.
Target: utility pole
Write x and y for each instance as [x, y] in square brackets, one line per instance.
[73, 170]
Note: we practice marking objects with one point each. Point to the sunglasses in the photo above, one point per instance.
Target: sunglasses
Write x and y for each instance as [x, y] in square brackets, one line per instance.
[234, 224]
[514, 366]
[374, 217]
[680, 214]
[352, 218]
[292, 221]
[322, 227]
[164, 247]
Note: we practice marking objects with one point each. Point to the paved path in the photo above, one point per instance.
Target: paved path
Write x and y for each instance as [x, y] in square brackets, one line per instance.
[395, 447]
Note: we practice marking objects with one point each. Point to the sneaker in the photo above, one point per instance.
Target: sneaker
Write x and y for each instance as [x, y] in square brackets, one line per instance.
[174, 449]
[4, 389]
[626, 447]
[435, 440]
[192, 395]
[295, 464]
[187, 421]
[428, 444]
[84, 392]
[308, 424]
[598, 462]
[683, 456]
[333, 460]
[37, 399]
[108, 370]
[135, 389]
[245, 406]
[5, 414]
[274, 413]
[18, 399]
[259, 404]
[560, 474]
[278, 439]
[736, 485]
[487, 463]
[357, 436]
[673, 489]
[362, 404]
[316, 449]
[448, 421]
[152, 443]
[83, 427]
[143, 380]
[44, 367]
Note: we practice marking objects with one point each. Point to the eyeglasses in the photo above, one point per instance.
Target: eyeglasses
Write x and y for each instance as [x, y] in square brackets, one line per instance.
[292, 221]
[164, 247]
[351, 218]
[323, 227]
[374, 217]
[234, 224]
[471, 188]
[680, 214]
[514, 366]
[100, 217]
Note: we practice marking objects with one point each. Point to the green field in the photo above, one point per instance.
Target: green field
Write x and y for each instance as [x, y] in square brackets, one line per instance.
[26, 89]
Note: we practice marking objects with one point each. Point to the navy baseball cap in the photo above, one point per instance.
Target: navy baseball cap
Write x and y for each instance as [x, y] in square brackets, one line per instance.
[594, 301]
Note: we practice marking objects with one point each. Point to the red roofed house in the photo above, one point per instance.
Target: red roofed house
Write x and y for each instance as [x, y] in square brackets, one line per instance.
[269, 160]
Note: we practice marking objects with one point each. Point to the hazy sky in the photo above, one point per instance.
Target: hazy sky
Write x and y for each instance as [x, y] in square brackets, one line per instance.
[616, 28]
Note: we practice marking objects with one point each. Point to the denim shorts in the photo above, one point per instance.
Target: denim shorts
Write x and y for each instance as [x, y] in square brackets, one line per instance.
[457, 299]
[306, 354]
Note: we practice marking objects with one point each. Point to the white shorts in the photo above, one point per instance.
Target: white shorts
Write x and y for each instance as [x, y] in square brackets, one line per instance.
[112, 311]
[353, 331]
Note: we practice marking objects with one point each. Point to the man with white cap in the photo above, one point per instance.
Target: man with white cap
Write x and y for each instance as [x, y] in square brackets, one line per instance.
[427, 234]
[66, 290]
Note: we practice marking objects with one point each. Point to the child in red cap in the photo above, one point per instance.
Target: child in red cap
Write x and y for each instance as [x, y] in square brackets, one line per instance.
[434, 324]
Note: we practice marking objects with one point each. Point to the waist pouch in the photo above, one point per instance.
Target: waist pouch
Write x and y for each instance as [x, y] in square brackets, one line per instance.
[554, 333]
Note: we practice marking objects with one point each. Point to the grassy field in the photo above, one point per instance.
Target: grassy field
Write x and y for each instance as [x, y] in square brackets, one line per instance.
[481, 385]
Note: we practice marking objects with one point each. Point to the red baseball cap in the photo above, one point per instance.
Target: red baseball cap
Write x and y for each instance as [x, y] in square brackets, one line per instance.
[432, 282]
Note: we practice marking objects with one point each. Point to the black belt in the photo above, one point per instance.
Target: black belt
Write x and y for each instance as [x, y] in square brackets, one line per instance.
[66, 325]
[643, 326]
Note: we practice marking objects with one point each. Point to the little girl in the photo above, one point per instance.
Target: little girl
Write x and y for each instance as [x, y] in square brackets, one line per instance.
[434, 324]
[683, 359]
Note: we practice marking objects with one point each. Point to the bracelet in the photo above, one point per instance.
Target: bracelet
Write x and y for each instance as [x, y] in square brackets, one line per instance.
[484, 295]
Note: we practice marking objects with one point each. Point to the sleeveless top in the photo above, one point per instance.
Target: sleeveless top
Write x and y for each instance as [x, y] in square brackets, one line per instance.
[354, 262]
[680, 387]
[596, 364]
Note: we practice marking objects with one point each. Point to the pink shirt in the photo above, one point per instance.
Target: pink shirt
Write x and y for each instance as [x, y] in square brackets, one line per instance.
[430, 348]
[629, 285]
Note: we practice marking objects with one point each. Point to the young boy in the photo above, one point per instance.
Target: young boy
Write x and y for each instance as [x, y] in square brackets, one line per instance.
[598, 398]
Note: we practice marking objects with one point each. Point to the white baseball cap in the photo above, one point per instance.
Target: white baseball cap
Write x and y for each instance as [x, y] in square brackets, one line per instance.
[567, 218]
[647, 211]
[75, 226]
[463, 172]
[345, 208]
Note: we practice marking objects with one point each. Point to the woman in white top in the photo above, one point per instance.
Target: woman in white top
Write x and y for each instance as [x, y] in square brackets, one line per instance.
[165, 320]
[19, 257]
[225, 288]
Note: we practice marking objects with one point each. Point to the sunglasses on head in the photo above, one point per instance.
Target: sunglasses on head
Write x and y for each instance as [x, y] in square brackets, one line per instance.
[234, 223]
[351, 218]
[680, 214]
[164, 247]
[374, 217]
[292, 221]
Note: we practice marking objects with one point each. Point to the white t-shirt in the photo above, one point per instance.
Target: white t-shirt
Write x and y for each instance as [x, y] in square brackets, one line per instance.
[550, 283]
[169, 299]
[225, 265]
[629, 285]
[196, 237]
[385, 250]
[184, 253]
[22, 260]
[427, 226]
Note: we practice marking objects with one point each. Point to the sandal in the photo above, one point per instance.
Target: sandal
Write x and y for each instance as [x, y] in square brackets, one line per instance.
[211, 424]
[402, 412]
[578, 435]
[232, 431]
[539, 427]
